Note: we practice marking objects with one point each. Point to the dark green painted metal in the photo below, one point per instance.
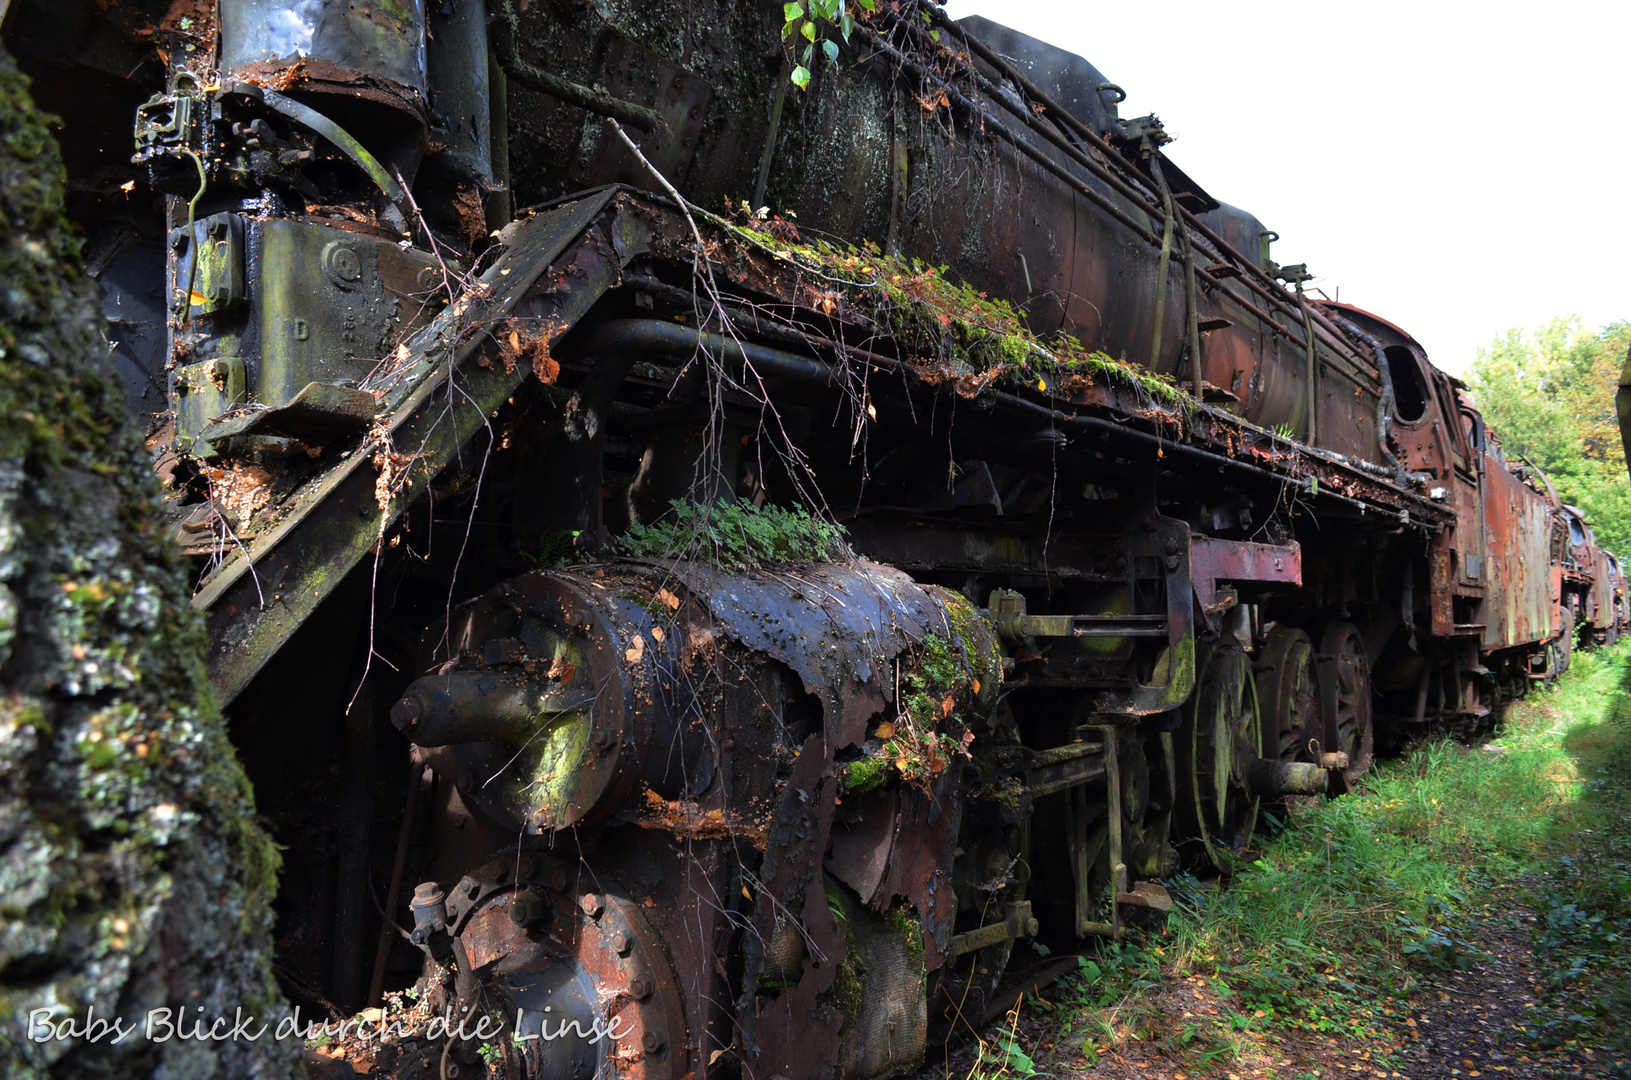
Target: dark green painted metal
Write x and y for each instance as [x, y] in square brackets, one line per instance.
[334, 522]
[330, 303]
[204, 391]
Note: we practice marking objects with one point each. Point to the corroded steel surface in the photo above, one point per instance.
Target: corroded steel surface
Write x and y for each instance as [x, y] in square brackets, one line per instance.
[777, 818]
[1516, 570]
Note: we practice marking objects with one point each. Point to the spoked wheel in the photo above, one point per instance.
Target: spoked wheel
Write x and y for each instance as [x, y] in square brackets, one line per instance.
[1350, 671]
[1289, 694]
[1220, 739]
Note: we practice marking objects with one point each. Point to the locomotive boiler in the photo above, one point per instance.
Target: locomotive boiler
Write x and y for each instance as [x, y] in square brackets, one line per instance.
[735, 563]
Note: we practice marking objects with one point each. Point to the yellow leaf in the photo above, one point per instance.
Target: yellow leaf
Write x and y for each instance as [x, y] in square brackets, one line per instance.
[747, 894]
[657, 633]
[636, 650]
[717, 1054]
[668, 598]
[886, 730]
[976, 686]
[1042, 385]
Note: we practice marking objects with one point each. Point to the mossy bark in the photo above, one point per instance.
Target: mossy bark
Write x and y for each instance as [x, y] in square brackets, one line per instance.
[133, 874]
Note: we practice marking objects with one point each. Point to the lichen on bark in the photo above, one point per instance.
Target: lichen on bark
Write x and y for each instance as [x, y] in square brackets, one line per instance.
[133, 873]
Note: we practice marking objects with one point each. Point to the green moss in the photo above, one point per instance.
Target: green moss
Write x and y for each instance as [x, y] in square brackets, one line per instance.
[738, 536]
[848, 992]
[128, 818]
[860, 777]
[946, 329]
[909, 928]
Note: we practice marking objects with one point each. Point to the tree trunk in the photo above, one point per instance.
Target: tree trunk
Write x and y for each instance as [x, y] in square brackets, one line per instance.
[133, 874]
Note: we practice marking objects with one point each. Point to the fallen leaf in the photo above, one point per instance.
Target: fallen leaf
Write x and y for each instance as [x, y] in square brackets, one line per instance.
[668, 598]
[657, 633]
[886, 730]
[636, 650]
[947, 706]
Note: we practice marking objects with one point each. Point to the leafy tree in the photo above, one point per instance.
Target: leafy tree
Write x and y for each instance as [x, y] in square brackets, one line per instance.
[1549, 395]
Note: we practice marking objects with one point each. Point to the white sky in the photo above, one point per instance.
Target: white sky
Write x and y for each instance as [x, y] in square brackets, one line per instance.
[1457, 168]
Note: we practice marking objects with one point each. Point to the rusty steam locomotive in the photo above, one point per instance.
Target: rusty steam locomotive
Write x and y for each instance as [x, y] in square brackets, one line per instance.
[431, 306]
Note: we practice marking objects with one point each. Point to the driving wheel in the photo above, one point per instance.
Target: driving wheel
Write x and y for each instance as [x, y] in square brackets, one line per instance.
[1220, 739]
[1289, 694]
[1349, 697]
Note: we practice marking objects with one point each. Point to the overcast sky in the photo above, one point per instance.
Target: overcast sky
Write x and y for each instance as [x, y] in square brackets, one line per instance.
[1457, 168]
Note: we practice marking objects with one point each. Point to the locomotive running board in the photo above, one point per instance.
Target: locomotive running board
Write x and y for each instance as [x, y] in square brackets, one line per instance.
[270, 585]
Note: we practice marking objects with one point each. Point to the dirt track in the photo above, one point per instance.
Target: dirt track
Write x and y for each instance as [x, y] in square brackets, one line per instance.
[1481, 1022]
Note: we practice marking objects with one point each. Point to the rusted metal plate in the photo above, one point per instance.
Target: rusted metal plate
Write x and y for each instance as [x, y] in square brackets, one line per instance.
[793, 1034]
[1212, 560]
[839, 627]
[1516, 560]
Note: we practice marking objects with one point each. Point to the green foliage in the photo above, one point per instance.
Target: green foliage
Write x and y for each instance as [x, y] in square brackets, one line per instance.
[738, 536]
[555, 550]
[1549, 396]
[808, 23]
[934, 687]
[928, 730]
[1331, 929]
[1584, 898]
[1087, 1003]
[1393, 868]
[950, 332]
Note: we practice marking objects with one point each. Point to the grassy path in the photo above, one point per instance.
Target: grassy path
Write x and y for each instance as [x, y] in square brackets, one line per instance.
[1461, 916]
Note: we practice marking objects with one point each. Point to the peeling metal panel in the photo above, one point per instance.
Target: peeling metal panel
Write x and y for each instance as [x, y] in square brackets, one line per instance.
[839, 627]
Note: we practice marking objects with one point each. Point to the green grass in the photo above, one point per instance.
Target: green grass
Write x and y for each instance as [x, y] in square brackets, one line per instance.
[1582, 893]
[1348, 903]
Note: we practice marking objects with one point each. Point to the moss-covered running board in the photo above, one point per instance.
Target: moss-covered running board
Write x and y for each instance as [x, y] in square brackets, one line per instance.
[554, 267]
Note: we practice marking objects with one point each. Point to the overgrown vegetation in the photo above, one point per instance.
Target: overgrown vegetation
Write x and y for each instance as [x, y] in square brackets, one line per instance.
[1550, 397]
[951, 332]
[1346, 910]
[928, 730]
[808, 24]
[738, 536]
